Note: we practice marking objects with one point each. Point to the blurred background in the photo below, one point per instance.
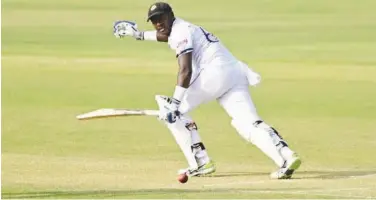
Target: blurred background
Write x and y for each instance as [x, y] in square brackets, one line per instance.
[60, 58]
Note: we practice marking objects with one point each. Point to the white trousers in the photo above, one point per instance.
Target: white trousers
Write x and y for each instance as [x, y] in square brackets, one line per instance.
[229, 85]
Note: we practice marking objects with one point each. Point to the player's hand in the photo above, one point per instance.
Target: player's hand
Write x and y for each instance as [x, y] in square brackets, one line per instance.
[171, 112]
[127, 28]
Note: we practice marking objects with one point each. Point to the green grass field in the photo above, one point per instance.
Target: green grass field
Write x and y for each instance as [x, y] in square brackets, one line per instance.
[59, 59]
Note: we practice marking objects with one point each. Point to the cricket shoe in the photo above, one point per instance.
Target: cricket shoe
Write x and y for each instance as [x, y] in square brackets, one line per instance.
[202, 170]
[286, 171]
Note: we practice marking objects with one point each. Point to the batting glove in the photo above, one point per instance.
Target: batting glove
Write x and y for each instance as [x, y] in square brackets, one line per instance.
[127, 28]
[171, 111]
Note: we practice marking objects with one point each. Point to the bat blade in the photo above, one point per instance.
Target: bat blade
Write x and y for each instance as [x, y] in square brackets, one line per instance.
[112, 112]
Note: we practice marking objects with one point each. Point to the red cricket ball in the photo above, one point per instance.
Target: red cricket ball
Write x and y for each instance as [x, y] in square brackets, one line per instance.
[183, 178]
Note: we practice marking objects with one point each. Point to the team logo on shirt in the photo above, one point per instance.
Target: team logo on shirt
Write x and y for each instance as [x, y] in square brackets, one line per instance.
[182, 44]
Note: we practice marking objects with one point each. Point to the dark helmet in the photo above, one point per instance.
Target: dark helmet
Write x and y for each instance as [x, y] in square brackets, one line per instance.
[158, 9]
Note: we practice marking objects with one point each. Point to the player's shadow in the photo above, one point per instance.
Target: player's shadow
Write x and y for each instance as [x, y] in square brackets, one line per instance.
[235, 174]
[177, 193]
[305, 174]
[333, 174]
[131, 193]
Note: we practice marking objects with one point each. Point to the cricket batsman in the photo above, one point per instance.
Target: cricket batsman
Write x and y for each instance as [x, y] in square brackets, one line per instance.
[207, 72]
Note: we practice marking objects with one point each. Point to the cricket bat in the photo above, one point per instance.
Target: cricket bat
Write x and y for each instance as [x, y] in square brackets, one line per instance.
[114, 112]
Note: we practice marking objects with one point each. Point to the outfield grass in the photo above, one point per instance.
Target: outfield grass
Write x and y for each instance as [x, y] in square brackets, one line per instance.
[59, 59]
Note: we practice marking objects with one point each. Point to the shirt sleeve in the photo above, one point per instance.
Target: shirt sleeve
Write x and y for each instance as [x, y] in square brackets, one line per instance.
[183, 42]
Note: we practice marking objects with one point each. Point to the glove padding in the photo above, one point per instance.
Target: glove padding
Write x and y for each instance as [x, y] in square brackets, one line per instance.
[127, 28]
[169, 110]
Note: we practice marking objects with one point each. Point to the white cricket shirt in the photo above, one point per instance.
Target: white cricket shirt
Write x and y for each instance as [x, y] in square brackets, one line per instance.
[205, 47]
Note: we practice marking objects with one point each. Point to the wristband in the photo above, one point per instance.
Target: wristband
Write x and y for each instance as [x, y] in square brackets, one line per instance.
[150, 35]
[179, 93]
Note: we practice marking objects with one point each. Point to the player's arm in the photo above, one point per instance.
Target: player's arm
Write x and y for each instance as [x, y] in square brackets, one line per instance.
[184, 75]
[185, 70]
[154, 36]
[183, 46]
